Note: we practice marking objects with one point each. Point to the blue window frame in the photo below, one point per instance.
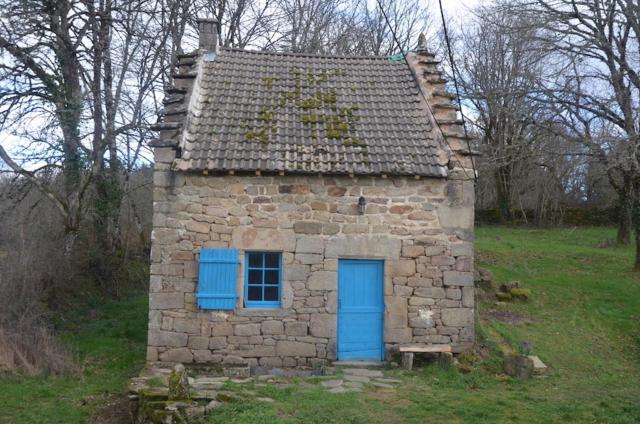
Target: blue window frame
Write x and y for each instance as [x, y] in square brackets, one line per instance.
[262, 277]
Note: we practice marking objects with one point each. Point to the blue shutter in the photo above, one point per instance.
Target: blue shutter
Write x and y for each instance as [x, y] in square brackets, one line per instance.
[217, 279]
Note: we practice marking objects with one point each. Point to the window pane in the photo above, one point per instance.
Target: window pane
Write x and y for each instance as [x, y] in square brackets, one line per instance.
[271, 293]
[255, 260]
[255, 292]
[272, 260]
[271, 277]
[255, 276]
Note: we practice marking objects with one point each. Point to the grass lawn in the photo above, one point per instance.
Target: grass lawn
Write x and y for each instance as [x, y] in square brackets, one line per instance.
[583, 320]
[109, 348]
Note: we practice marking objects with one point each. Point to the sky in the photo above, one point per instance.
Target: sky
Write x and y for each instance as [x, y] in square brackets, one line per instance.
[458, 10]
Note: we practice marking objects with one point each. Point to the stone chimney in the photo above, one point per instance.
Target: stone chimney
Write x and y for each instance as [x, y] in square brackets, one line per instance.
[208, 30]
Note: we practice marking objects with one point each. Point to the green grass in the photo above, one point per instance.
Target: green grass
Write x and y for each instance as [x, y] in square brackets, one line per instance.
[109, 349]
[584, 322]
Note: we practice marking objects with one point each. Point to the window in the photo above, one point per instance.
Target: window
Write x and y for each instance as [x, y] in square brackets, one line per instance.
[262, 279]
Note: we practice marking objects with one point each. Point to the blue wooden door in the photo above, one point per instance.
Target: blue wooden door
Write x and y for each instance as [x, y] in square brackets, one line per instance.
[360, 310]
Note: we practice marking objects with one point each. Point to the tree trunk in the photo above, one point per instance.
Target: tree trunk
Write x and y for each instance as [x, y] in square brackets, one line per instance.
[503, 193]
[636, 224]
[625, 221]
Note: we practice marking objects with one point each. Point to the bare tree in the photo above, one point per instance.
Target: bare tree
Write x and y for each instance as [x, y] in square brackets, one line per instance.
[84, 75]
[499, 68]
[600, 79]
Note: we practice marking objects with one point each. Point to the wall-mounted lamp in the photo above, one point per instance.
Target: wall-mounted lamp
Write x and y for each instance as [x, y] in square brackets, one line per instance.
[362, 204]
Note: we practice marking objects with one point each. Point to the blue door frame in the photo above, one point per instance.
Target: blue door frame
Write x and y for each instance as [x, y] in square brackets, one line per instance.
[360, 309]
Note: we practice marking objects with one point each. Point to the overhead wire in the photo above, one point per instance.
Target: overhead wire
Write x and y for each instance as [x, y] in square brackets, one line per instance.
[415, 78]
[455, 84]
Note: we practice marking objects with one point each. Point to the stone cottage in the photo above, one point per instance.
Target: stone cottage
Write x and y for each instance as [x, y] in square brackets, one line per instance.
[307, 209]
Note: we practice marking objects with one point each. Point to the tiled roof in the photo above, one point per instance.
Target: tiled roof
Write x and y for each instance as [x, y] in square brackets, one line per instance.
[308, 114]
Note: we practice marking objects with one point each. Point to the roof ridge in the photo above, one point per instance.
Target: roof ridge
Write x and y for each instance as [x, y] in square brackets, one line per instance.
[310, 55]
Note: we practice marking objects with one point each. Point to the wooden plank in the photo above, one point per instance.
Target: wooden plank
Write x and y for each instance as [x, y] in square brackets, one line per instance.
[426, 349]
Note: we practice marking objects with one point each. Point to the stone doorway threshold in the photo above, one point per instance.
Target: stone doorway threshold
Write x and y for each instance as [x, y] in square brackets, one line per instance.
[359, 364]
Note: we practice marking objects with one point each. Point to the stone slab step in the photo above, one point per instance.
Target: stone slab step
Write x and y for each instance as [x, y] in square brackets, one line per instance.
[358, 364]
[363, 372]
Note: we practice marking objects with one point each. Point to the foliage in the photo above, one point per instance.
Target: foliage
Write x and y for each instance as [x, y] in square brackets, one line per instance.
[567, 216]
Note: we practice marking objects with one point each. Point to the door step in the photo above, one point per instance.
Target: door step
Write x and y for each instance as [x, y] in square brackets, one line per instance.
[358, 364]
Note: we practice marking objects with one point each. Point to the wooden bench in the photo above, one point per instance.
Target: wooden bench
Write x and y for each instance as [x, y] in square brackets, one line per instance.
[408, 352]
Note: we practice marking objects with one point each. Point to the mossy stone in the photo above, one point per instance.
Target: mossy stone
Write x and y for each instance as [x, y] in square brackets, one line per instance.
[178, 383]
[520, 294]
[503, 296]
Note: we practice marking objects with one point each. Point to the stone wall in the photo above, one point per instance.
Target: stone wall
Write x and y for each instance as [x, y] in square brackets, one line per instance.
[421, 228]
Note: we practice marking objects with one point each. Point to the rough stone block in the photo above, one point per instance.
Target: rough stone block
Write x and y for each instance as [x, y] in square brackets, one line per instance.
[205, 357]
[198, 227]
[164, 154]
[402, 291]
[332, 302]
[221, 329]
[456, 278]
[309, 258]
[423, 321]
[398, 335]
[291, 348]
[467, 297]
[249, 238]
[257, 352]
[442, 260]
[183, 325]
[395, 315]
[295, 272]
[166, 300]
[336, 191]
[462, 249]
[412, 251]
[270, 362]
[421, 301]
[198, 342]
[181, 355]
[217, 343]
[272, 327]
[420, 282]
[434, 250]
[167, 339]
[162, 179]
[306, 244]
[366, 246]
[307, 227]
[430, 292]
[330, 228]
[322, 280]
[296, 328]
[247, 330]
[457, 317]
[323, 325]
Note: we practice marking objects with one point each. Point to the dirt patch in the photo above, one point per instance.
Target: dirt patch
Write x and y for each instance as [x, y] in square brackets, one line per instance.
[114, 410]
[508, 317]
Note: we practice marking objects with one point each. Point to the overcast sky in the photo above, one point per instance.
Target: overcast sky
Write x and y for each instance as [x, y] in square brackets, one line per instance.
[456, 8]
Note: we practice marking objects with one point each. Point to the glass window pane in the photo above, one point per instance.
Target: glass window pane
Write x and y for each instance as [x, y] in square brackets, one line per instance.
[271, 293]
[271, 277]
[255, 260]
[255, 276]
[272, 260]
[255, 292]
